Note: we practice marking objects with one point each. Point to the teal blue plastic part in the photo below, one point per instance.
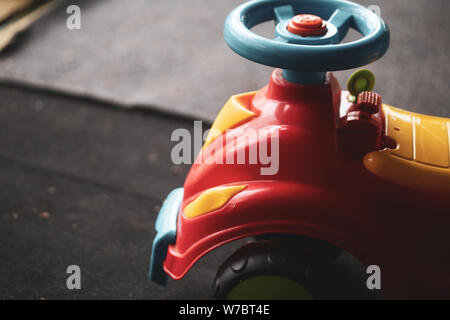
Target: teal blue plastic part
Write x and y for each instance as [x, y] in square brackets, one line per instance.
[166, 233]
[305, 78]
[303, 56]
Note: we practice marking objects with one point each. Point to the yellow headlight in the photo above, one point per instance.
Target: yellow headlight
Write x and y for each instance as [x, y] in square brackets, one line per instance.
[210, 200]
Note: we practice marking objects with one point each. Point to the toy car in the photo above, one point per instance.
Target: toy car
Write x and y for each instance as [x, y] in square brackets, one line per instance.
[355, 176]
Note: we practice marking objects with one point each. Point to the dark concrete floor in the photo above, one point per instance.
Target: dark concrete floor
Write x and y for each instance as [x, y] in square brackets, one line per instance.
[81, 183]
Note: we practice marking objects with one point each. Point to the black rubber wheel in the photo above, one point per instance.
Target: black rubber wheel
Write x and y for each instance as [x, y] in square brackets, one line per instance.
[288, 267]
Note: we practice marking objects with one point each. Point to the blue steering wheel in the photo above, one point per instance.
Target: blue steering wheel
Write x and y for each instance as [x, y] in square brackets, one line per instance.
[306, 59]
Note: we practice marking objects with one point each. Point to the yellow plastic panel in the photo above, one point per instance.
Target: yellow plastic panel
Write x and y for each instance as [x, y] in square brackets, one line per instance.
[408, 173]
[210, 200]
[400, 128]
[431, 141]
[428, 140]
[236, 111]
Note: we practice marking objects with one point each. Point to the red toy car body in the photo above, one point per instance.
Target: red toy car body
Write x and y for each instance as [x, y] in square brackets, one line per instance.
[322, 192]
[352, 172]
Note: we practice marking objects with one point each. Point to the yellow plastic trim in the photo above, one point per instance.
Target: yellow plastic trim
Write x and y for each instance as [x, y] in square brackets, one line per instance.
[422, 157]
[210, 200]
[236, 111]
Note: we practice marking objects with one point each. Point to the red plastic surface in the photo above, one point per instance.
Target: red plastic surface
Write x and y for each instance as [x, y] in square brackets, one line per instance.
[320, 191]
[360, 125]
[307, 25]
[369, 102]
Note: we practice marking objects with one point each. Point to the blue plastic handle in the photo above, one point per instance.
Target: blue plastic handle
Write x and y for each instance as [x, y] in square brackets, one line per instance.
[308, 55]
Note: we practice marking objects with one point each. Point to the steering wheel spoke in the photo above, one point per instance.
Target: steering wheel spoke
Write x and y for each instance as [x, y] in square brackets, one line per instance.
[342, 20]
[283, 13]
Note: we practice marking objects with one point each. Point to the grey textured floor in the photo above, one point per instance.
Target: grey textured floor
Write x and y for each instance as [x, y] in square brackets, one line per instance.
[136, 53]
[87, 165]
